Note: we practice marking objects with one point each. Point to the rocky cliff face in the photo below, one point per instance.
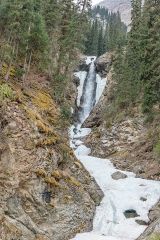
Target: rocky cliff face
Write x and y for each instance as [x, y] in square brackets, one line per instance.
[123, 6]
[45, 191]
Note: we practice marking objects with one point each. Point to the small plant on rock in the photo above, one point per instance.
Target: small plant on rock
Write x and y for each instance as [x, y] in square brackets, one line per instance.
[157, 151]
[5, 92]
[155, 237]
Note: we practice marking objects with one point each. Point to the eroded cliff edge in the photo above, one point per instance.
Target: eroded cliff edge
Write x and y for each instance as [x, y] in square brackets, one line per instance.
[45, 191]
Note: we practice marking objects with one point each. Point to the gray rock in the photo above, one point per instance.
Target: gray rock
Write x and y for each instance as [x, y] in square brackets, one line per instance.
[130, 213]
[141, 222]
[83, 66]
[152, 230]
[103, 64]
[12, 125]
[143, 199]
[76, 80]
[118, 175]
[154, 213]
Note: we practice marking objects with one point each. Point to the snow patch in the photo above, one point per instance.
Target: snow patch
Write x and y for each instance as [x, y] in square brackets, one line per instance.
[101, 83]
[82, 76]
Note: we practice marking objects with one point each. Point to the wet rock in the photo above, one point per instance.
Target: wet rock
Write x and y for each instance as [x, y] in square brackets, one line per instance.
[103, 64]
[12, 125]
[76, 80]
[138, 169]
[154, 226]
[141, 222]
[118, 175]
[130, 213]
[82, 66]
[143, 199]
[154, 213]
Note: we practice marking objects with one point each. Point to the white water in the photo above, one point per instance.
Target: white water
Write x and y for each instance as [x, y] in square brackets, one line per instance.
[119, 195]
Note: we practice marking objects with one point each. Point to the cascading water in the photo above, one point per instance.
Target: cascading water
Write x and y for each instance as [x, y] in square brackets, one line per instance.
[86, 91]
[87, 101]
[120, 196]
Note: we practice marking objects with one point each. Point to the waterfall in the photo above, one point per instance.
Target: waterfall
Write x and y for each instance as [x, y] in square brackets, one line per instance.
[120, 196]
[88, 100]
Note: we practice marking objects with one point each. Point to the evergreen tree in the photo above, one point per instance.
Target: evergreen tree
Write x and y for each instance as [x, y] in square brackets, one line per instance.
[138, 79]
[105, 32]
[46, 33]
[151, 76]
[100, 42]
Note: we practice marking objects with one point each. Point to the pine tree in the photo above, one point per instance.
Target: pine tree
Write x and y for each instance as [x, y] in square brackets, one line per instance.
[151, 75]
[106, 31]
[100, 42]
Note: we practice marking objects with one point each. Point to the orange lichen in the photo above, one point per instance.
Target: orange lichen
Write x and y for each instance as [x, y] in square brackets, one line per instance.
[66, 150]
[6, 68]
[43, 101]
[57, 174]
[73, 181]
[52, 181]
[38, 121]
[40, 172]
[78, 164]
[51, 140]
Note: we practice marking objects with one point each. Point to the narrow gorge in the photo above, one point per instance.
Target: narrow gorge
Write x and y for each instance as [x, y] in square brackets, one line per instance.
[79, 120]
[123, 212]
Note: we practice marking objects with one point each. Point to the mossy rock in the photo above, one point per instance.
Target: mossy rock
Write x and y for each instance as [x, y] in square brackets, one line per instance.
[6, 92]
[40, 172]
[155, 236]
[35, 117]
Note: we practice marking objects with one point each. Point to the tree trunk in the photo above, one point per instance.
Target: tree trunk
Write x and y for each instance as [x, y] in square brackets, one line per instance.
[10, 65]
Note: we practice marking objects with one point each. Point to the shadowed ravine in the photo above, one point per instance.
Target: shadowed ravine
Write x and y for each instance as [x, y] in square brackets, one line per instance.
[123, 205]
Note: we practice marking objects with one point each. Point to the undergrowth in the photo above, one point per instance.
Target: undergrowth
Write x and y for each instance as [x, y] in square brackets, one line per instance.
[5, 92]
[155, 237]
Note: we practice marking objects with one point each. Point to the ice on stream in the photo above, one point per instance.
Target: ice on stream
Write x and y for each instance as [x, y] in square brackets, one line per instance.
[101, 83]
[120, 195]
[82, 76]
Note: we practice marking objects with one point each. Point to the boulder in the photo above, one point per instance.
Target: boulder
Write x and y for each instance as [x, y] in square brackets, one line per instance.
[82, 66]
[76, 80]
[103, 64]
[141, 222]
[118, 175]
[143, 199]
[154, 213]
[130, 213]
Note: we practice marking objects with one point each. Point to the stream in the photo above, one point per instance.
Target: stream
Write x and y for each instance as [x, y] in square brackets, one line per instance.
[123, 211]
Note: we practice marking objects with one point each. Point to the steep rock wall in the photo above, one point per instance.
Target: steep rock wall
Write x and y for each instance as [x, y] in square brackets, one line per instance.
[45, 191]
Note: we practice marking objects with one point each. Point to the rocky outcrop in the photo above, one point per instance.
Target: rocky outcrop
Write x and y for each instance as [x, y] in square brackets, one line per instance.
[103, 64]
[118, 175]
[153, 231]
[121, 6]
[45, 191]
[82, 65]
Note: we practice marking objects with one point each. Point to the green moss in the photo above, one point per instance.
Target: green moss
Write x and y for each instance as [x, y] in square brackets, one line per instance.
[157, 150]
[35, 117]
[65, 112]
[155, 237]
[5, 92]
